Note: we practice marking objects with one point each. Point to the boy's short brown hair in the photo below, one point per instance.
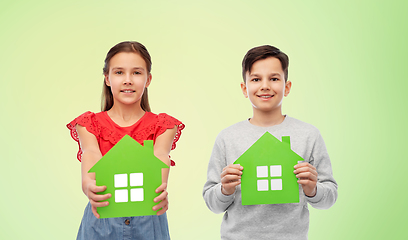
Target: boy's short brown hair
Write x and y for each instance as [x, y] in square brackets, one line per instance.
[262, 52]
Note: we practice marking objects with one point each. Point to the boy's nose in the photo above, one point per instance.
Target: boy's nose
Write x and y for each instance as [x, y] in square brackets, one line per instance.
[265, 85]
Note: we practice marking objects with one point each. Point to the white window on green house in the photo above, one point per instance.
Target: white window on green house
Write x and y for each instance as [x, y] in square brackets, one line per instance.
[124, 187]
[274, 177]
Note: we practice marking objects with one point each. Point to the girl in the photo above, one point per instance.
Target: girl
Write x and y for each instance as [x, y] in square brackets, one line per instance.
[125, 110]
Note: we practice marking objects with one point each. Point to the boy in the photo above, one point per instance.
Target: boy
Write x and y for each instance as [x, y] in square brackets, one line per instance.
[265, 73]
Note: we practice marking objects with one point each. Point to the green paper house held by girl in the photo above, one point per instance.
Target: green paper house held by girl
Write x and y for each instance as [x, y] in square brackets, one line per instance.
[131, 173]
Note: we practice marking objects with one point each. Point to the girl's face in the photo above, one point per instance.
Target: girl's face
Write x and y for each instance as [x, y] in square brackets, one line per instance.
[127, 78]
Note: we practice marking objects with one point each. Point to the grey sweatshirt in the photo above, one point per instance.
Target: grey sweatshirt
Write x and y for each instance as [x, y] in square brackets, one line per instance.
[268, 221]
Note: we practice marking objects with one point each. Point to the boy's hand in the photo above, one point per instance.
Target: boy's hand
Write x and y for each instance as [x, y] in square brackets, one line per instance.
[164, 204]
[307, 175]
[95, 199]
[230, 178]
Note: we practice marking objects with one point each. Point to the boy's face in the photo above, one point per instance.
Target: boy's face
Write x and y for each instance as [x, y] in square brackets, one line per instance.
[265, 85]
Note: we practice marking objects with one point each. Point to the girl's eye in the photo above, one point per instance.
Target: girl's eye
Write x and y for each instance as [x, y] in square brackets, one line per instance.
[136, 73]
[118, 72]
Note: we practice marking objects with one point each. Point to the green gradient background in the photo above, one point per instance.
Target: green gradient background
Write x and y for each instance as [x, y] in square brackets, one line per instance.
[349, 80]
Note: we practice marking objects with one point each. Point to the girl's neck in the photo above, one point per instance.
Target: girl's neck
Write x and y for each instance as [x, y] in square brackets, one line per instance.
[267, 119]
[125, 115]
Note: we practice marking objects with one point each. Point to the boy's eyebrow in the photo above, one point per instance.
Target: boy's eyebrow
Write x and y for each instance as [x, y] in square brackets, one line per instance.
[256, 75]
[275, 74]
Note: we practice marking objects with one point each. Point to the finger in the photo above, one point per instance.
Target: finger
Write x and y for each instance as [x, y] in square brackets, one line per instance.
[95, 213]
[161, 188]
[162, 196]
[230, 178]
[163, 210]
[160, 205]
[306, 169]
[307, 175]
[98, 204]
[231, 171]
[306, 182]
[97, 189]
[304, 164]
[236, 166]
[98, 197]
[230, 185]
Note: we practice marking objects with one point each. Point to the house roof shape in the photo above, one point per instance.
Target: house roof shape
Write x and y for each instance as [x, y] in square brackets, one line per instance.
[268, 151]
[127, 157]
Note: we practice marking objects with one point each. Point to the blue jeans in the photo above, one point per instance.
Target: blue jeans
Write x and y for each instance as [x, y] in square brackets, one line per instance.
[126, 228]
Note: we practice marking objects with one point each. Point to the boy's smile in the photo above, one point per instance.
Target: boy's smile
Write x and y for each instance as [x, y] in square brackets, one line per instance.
[265, 86]
[265, 97]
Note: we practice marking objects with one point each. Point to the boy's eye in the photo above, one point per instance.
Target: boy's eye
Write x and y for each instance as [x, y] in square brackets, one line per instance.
[274, 79]
[255, 79]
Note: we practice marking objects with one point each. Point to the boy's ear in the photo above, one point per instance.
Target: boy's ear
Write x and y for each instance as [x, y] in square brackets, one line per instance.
[149, 80]
[288, 86]
[107, 81]
[244, 89]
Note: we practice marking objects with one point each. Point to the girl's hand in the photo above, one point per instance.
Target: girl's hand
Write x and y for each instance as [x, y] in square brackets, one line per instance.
[307, 175]
[164, 204]
[91, 190]
[230, 178]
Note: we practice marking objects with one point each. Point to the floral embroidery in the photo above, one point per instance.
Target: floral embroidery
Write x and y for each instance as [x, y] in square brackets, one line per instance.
[150, 130]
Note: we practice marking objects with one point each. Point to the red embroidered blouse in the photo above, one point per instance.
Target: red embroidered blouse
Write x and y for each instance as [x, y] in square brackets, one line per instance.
[108, 133]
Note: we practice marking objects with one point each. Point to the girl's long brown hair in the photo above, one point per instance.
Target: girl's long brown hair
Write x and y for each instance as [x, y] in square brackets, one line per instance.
[138, 48]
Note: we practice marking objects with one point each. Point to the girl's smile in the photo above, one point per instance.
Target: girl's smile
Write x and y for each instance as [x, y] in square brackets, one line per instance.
[127, 91]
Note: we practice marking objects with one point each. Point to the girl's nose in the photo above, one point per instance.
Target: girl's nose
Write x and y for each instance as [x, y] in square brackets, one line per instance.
[127, 80]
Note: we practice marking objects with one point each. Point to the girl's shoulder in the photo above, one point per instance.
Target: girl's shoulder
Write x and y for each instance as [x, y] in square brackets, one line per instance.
[89, 121]
[162, 121]
[86, 119]
[156, 124]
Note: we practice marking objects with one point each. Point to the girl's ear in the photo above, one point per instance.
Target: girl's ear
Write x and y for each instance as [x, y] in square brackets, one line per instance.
[149, 80]
[244, 89]
[107, 80]
[288, 86]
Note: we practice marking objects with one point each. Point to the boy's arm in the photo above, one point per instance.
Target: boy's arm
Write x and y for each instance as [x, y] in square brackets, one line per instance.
[326, 186]
[213, 197]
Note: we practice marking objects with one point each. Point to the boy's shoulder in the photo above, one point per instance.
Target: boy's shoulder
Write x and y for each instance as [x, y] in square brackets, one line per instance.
[236, 127]
[297, 124]
[289, 125]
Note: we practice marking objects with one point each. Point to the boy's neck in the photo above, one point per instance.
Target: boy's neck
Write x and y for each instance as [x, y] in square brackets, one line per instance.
[267, 119]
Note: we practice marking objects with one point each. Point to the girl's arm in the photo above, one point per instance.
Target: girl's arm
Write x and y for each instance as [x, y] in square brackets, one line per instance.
[90, 155]
[162, 148]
